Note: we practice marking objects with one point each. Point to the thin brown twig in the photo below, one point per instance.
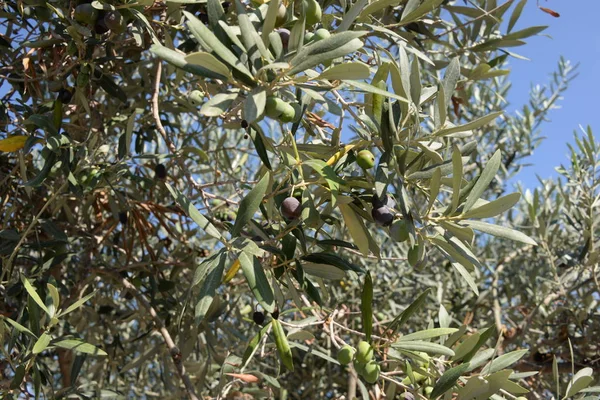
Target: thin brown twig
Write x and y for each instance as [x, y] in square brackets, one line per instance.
[173, 349]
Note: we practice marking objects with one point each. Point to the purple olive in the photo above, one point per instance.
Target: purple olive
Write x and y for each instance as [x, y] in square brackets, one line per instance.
[284, 34]
[382, 216]
[291, 208]
[160, 172]
[258, 317]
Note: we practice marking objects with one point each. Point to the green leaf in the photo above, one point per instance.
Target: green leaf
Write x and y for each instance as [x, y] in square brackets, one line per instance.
[351, 15]
[504, 361]
[259, 144]
[466, 346]
[356, 228]
[332, 259]
[494, 208]
[427, 334]
[208, 61]
[54, 295]
[252, 41]
[427, 347]
[218, 104]
[457, 176]
[377, 6]
[448, 380]
[451, 77]
[325, 271]
[335, 46]
[253, 345]
[413, 12]
[270, 20]
[525, 33]
[500, 231]
[258, 281]
[365, 87]
[36, 297]
[483, 181]
[209, 287]
[351, 70]
[466, 276]
[479, 122]
[366, 306]
[77, 304]
[204, 34]
[283, 347]
[582, 379]
[515, 15]
[254, 106]
[410, 310]
[18, 326]
[249, 205]
[42, 343]
[80, 346]
[193, 213]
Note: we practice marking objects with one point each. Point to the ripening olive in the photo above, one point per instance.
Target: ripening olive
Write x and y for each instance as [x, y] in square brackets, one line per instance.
[284, 35]
[85, 14]
[123, 217]
[346, 354]
[364, 352]
[114, 21]
[371, 373]
[313, 12]
[365, 159]
[382, 216]
[321, 34]
[399, 231]
[291, 208]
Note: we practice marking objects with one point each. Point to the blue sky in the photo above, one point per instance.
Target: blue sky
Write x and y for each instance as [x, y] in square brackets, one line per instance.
[575, 36]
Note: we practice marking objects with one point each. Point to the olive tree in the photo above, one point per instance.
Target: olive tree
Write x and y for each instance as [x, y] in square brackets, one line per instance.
[288, 199]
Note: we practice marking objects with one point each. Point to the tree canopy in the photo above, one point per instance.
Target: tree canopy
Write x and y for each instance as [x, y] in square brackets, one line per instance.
[298, 199]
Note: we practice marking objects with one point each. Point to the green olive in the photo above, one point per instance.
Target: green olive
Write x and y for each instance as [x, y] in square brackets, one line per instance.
[281, 16]
[196, 97]
[277, 108]
[346, 354]
[364, 352]
[371, 373]
[365, 159]
[85, 14]
[321, 34]
[313, 12]
[359, 367]
[413, 256]
[399, 231]
[308, 37]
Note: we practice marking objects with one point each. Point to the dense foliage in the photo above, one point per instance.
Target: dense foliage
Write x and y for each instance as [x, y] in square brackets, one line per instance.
[296, 199]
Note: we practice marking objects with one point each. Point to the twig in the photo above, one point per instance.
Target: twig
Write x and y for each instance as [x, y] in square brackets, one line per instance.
[30, 227]
[173, 350]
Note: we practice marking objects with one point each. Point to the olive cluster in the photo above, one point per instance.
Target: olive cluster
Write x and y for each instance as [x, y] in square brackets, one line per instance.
[99, 20]
[362, 358]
